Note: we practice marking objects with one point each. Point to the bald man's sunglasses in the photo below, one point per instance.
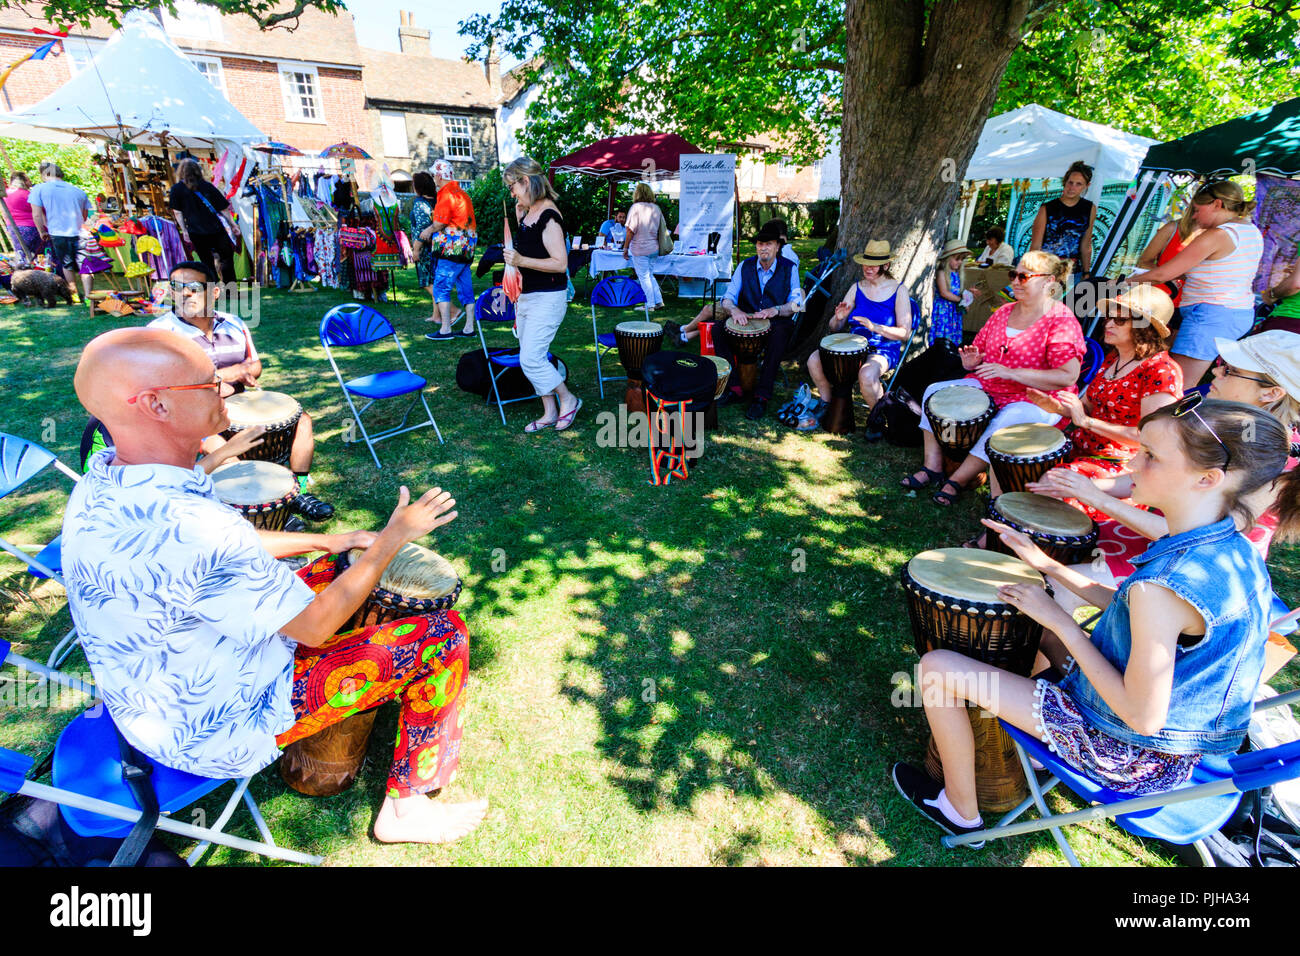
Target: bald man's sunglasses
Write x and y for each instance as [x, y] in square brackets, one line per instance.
[174, 388]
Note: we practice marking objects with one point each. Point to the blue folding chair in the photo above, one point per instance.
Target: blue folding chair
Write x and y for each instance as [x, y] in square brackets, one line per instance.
[1093, 356]
[492, 307]
[613, 292]
[96, 801]
[1184, 816]
[354, 325]
[21, 461]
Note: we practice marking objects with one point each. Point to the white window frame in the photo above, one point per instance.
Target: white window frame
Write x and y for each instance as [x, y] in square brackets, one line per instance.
[211, 61]
[292, 111]
[468, 135]
[75, 46]
[464, 183]
[785, 169]
[193, 21]
[392, 115]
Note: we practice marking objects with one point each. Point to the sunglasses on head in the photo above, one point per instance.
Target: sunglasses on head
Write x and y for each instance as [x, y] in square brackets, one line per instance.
[1187, 405]
[1026, 276]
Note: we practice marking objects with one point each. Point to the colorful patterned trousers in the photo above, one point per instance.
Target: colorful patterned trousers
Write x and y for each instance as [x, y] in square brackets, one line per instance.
[421, 661]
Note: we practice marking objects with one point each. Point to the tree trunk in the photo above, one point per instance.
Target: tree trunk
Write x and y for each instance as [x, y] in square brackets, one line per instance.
[915, 100]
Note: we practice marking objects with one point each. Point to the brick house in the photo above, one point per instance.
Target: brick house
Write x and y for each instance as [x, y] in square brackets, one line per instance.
[302, 86]
[421, 108]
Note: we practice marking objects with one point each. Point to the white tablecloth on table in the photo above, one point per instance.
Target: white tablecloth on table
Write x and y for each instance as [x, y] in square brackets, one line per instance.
[685, 266]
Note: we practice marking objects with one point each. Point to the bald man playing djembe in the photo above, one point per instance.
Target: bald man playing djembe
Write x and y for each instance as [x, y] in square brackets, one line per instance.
[210, 654]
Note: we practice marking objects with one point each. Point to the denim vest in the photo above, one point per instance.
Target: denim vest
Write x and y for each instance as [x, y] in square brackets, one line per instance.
[775, 293]
[1219, 573]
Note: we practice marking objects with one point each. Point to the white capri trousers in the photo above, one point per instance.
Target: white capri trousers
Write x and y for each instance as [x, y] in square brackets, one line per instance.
[538, 316]
[642, 266]
[1016, 413]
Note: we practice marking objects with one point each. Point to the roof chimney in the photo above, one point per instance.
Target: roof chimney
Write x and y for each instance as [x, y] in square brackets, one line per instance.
[410, 38]
[492, 66]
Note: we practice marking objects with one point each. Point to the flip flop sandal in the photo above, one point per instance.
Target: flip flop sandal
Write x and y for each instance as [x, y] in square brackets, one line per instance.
[945, 498]
[533, 428]
[911, 484]
[564, 421]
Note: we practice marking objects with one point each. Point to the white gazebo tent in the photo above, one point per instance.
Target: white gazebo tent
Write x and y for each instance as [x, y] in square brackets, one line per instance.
[1035, 143]
[141, 89]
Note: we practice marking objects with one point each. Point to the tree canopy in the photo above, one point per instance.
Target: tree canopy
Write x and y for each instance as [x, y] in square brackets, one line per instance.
[723, 71]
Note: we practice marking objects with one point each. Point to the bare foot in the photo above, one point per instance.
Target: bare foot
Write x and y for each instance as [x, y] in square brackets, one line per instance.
[421, 820]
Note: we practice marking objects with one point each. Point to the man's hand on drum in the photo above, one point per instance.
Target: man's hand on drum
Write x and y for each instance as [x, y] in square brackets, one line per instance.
[347, 540]
[1033, 601]
[766, 314]
[241, 373]
[1062, 483]
[1021, 544]
[414, 519]
[740, 317]
[244, 441]
[971, 357]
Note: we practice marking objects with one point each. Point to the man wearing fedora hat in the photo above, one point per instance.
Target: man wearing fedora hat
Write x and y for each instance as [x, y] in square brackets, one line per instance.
[764, 286]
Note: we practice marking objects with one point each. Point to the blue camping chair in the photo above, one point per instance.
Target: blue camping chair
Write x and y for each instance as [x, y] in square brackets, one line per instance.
[613, 292]
[1093, 356]
[493, 307]
[21, 461]
[354, 325]
[94, 798]
[1184, 816]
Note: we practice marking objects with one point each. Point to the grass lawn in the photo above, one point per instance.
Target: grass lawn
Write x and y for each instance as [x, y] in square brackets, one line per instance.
[691, 674]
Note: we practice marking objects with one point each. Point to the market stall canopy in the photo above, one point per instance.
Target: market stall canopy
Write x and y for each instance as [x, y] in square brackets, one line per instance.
[1266, 141]
[1033, 142]
[140, 89]
[646, 156]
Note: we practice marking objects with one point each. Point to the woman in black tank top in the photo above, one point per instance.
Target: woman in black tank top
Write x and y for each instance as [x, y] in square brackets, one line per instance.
[541, 256]
[1064, 225]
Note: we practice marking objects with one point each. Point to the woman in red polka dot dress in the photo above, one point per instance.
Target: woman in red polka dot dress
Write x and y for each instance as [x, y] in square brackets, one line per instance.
[1137, 378]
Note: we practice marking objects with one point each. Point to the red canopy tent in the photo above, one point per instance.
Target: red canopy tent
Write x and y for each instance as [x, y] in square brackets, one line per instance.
[647, 156]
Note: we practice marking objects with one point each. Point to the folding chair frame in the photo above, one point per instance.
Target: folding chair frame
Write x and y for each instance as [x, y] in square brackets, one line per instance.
[1007, 826]
[13, 779]
[400, 429]
[601, 377]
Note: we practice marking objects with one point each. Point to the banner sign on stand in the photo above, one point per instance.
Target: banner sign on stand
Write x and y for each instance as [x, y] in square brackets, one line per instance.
[708, 204]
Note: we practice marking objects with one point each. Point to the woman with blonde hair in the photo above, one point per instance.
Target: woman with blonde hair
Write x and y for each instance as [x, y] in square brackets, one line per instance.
[1218, 268]
[1035, 342]
[542, 258]
[641, 244]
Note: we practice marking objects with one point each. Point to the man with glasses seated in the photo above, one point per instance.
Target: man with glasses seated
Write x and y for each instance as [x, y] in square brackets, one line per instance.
[226, 340]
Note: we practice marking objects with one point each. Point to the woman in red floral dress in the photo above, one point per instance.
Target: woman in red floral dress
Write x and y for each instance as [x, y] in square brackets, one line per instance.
[1137, 378]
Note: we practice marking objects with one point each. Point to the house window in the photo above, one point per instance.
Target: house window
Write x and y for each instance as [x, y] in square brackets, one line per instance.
[301, 88]
[210, 67]
[80, 51]
[456, 138]
[785, 169]
[464, 183]
[392, 124]
[193, 20]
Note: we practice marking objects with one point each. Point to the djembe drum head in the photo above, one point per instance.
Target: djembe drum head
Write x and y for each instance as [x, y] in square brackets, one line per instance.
[957, 403]
[416, 581]
[1027, 441]
[754, 327]
[1062, 532]
[259, 490]
[260, 407]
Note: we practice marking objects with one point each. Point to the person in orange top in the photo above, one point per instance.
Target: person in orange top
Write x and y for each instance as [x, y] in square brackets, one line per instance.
[453, 235]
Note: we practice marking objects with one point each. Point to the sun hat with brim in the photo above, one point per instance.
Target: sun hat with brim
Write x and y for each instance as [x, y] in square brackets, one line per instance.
[954, 247]
[1274, 353]
[770, 231]
[1145, 301]
[876, 253]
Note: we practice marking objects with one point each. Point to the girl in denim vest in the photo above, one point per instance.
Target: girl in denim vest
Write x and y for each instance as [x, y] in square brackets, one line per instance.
[1170, 672]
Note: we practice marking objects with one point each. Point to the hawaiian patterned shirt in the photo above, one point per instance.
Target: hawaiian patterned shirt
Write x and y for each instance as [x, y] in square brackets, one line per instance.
[179, 609]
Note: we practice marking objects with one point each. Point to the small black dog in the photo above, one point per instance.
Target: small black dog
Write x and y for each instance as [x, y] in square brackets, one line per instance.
[45, 287]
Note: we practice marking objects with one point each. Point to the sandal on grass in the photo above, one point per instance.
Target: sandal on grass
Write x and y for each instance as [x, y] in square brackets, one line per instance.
[534, 427]
[945, 497]
[911, 483]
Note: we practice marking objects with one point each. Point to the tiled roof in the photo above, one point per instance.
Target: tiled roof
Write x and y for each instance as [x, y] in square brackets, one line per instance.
[425, 80]
[319, 37]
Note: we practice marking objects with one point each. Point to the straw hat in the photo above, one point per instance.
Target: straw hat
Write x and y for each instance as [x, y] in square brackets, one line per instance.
[952, 248]
[1275, 353]
[1146, 301]
[877, 253]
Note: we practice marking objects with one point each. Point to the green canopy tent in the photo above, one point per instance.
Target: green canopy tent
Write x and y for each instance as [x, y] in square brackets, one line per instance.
[1266, 141]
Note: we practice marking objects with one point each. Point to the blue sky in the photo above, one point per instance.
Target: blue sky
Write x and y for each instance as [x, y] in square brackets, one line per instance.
[377, 22]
